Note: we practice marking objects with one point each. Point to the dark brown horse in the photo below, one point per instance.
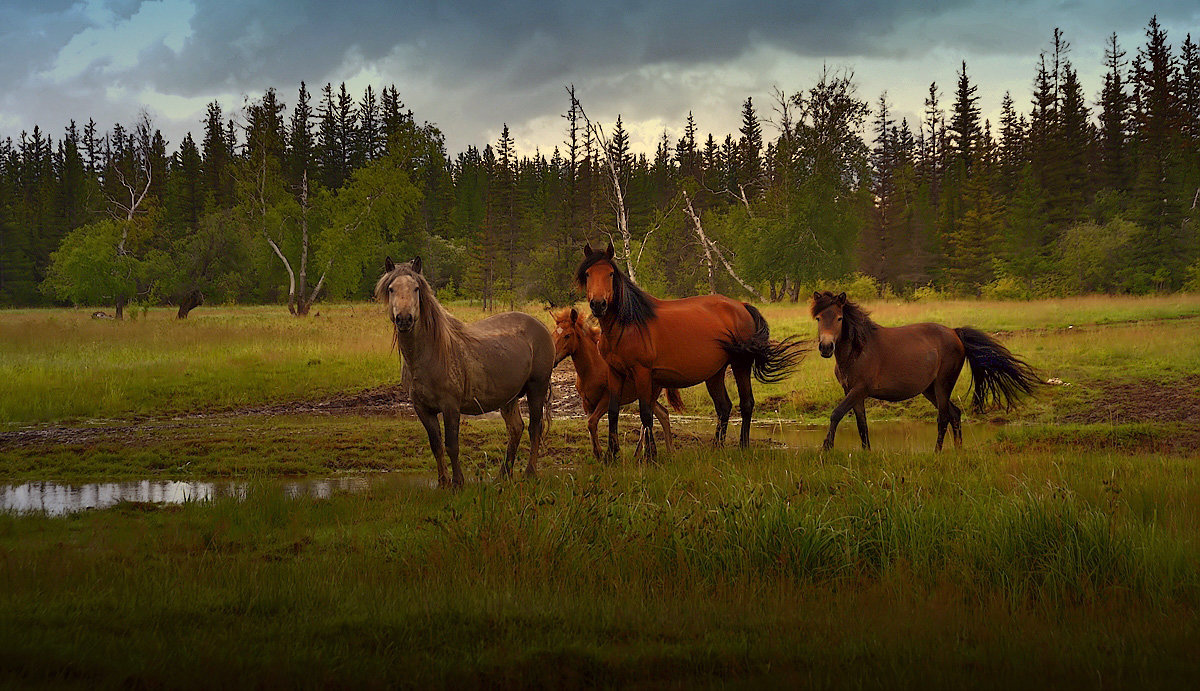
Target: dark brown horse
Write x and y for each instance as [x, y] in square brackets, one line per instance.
[452, 368]
[678, 343]
[898, 363]
[580, 341]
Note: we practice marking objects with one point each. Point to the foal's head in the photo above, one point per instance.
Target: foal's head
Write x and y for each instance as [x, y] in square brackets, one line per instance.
[569, 333]
[401, 288]
[828, 309]
[597, 277]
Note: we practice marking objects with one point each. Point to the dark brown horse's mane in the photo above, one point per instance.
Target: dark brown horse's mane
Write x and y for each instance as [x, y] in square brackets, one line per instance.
[445, 329]
[857, 324]
[632, 304]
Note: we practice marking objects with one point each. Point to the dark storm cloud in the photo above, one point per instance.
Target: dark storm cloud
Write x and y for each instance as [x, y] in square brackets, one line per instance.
[470, 64]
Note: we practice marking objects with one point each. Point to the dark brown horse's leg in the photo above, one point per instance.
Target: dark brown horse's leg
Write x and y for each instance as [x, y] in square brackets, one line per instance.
[720, 399]
[741, 375]
[645, 391]
[941, 400]
[848, 403]
[860, 418]
[537, 404]
[511, 413]
[664, 419]
[956, 424]
[430, 422]
[451, 420]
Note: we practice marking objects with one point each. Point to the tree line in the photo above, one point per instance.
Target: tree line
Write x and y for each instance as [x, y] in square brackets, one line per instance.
[1068, 194]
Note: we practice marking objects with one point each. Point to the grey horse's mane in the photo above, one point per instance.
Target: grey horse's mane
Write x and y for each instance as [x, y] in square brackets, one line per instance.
[446, 332]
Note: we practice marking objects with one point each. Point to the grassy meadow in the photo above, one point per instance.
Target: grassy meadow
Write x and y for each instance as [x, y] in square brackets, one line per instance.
[1062, 549]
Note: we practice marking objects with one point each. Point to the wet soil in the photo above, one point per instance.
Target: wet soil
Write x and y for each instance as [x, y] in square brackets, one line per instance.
[1142, 401]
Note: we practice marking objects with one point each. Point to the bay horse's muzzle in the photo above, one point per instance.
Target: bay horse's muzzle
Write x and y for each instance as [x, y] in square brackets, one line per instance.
[599, 307]
[826, 348]
[404, 324]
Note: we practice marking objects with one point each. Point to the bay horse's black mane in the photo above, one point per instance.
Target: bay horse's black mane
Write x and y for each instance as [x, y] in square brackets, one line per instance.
[632, 304]
[857, 324]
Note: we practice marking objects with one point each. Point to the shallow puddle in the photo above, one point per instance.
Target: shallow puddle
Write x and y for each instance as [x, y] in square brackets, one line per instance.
[57, 499]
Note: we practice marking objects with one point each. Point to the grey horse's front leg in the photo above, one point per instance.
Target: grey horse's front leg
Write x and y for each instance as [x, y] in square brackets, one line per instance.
[429, 420]
[451, 418]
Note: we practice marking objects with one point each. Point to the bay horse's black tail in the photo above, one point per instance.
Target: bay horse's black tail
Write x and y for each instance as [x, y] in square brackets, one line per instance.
[996, 374]
[675, 400]
[772, 361]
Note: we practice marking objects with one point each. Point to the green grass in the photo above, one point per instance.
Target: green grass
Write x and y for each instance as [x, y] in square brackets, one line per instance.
[60, 365]
[761, 568]
[1064, 552]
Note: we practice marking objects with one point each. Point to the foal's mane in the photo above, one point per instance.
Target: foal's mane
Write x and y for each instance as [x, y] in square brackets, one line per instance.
[632, 304]
[445, 330]
[857, 324]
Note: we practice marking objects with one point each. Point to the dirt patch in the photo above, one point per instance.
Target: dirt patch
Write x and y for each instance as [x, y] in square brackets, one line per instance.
[1140, 401]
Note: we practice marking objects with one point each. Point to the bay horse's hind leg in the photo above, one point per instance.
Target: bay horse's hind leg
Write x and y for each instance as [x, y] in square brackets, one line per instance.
[451, 420]
[511, 412]
[720, 399]
[741, 375]
[537, 405]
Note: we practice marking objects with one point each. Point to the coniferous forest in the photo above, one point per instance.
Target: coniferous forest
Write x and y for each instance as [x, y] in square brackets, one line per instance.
[297, 198]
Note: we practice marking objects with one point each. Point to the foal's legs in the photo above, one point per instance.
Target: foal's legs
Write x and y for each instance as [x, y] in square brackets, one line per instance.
[642, 379]
[593, 423]
[430, 422]
[511, 412]
[537, 406]
[720, 399]
[451, 420]
[664, 418]
[853, 398]
[741, 375]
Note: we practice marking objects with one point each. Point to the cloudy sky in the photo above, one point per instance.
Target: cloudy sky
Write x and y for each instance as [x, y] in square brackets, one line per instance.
[471, 65]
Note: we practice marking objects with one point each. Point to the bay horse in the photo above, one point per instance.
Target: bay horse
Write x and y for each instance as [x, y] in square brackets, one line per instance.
[451, 368]
[678, 343]
[898, 363]
[580, 341]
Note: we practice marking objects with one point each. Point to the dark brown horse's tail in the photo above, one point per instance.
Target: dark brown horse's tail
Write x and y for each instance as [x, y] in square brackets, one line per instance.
[675, 400]
[771, 361]
[996, 374]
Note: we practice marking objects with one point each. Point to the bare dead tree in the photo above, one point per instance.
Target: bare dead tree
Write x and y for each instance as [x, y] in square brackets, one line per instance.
[618, 194]
[712, 250]
[128, 202]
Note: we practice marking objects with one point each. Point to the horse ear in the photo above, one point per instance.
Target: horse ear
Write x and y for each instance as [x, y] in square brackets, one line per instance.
[388, 265]
[816, 295]
[416, 264]
[574, 315]
[841, 298]
[587, 249]
[610, 251]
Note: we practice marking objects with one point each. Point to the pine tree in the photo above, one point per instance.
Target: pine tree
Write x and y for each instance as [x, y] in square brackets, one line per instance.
[1114, 121]
[301, 149]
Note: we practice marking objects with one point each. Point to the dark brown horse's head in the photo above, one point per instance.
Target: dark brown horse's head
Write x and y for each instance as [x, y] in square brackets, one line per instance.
[570, 331]
[401, 288]
[597, 278]
[827, 309]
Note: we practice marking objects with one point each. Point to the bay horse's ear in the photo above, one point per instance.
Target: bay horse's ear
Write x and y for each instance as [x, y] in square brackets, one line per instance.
[816, 295]
[416, 264]
[841, 298]
[388, 265]
[587, 249]
[574, 315]
[610, 251]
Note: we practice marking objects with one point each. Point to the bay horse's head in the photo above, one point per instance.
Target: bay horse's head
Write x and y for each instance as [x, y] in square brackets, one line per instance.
[828, 309]
[569, 333]
[597, 277]
[401, 288]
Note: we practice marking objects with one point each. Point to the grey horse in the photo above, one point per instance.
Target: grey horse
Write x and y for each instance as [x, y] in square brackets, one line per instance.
[452, 368]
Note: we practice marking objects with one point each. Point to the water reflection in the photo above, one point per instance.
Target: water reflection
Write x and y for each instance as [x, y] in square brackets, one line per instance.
[56, 499]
